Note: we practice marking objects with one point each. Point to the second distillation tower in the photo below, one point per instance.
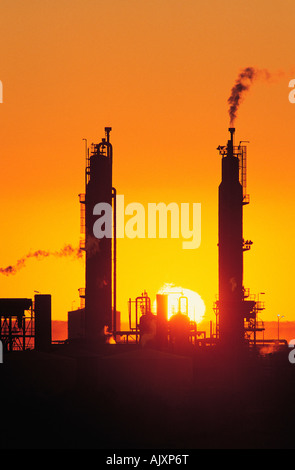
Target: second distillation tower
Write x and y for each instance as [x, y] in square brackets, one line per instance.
[232, 308]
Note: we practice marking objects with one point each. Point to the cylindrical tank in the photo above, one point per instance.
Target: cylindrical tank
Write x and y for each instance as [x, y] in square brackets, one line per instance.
[43, 330]
[148, 329]
[162, 320]
[179, 326]
[231, 320]
[98, 291]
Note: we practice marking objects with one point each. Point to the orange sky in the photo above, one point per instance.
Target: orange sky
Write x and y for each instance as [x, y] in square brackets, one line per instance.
[160, 73]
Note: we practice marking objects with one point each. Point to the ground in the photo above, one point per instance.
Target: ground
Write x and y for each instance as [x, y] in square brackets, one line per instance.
[129, 398]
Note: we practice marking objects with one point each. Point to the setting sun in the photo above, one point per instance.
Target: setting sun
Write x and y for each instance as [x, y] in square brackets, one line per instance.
[185, 301]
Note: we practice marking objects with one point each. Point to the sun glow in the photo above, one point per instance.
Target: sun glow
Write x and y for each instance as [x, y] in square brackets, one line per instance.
[183, 300]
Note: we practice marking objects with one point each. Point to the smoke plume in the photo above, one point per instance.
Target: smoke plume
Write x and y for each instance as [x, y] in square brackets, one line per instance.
[67, 250]
[245, 79]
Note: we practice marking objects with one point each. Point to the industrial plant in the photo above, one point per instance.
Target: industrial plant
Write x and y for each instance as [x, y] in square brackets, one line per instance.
[161, 382]
[26, 324]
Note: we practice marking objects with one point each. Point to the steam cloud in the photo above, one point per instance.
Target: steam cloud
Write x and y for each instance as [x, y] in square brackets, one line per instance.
[241, 86]
[68, 250]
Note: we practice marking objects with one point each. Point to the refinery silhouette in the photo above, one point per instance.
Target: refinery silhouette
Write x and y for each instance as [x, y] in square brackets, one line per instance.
[161, 383]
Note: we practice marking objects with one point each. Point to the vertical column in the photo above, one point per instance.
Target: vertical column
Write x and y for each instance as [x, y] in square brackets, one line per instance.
[43, 331]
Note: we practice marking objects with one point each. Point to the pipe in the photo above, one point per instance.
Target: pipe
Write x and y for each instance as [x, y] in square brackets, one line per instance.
[230, 144]
[147, 302]
[270, 341]
[115, 262]
[232, 131]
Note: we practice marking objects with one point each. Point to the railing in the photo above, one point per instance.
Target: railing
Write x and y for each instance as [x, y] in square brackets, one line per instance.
[82, 221]
[82, 292]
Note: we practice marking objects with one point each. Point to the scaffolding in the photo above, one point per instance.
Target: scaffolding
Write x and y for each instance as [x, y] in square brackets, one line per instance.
[17, 325]
[241, 153]
[82, 222]
[250, 309]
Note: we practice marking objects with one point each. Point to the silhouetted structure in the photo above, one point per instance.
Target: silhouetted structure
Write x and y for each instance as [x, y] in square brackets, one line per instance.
[16, 324]
[169, 388]
[230, 245]
[25, 324]
[43, 331]
[100, 271]
[162, 320]
[232, 308]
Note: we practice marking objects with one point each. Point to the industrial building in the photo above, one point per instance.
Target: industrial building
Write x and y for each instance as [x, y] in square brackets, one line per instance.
[162, 382]
[26, 324]
[236, 310]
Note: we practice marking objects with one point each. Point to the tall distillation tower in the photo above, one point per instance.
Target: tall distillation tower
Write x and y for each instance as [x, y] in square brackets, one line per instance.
[232, 308]
[100, 257]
